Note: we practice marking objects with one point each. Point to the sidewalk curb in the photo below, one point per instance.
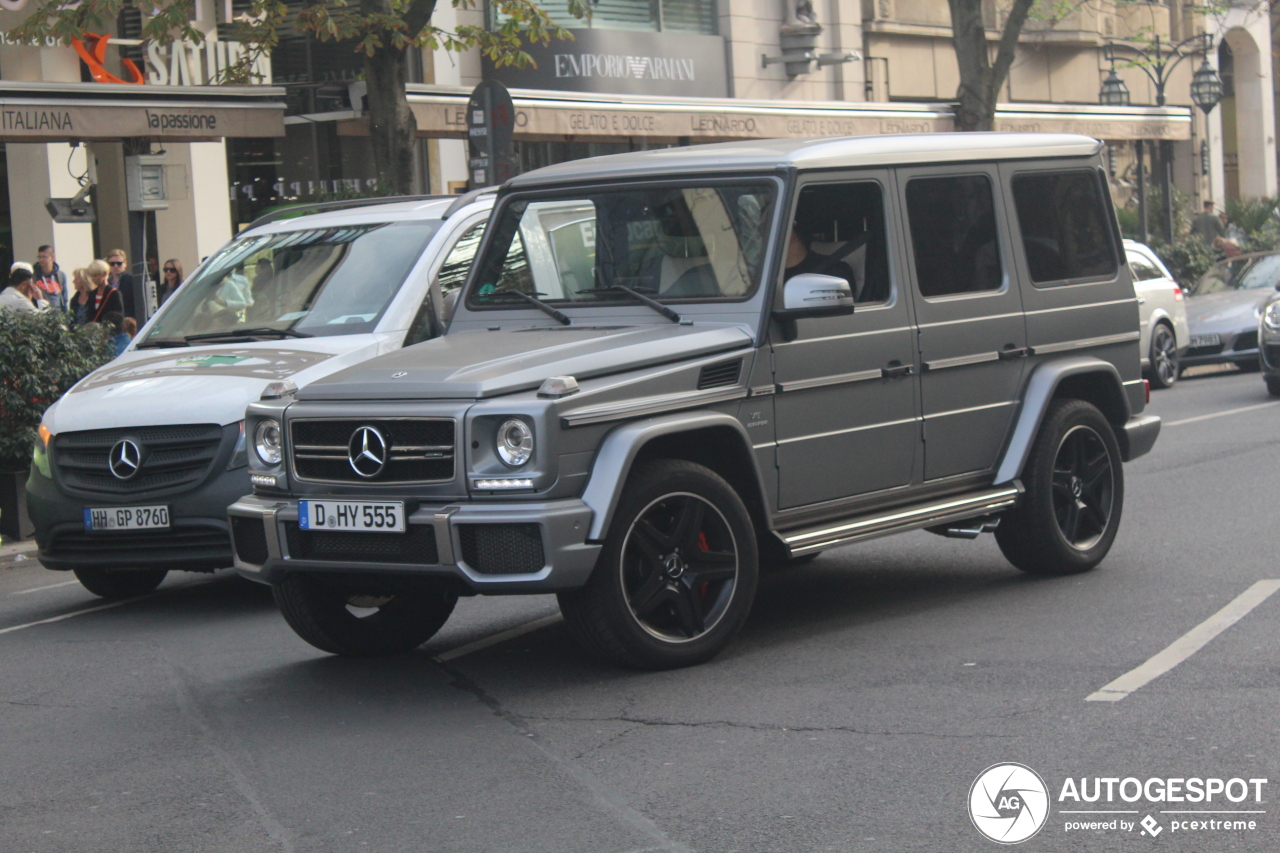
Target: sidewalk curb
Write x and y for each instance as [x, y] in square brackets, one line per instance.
[17, 553]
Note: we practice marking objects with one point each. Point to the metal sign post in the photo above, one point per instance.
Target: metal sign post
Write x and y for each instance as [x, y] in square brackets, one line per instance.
[491, 119]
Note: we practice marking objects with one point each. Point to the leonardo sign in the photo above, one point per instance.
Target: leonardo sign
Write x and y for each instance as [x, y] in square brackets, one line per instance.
[625, 62]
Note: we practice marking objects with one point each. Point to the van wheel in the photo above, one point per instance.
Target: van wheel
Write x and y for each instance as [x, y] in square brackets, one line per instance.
[343, 618]
[1164, 357]
[677, 574]
[120, 584]
[1074, 493]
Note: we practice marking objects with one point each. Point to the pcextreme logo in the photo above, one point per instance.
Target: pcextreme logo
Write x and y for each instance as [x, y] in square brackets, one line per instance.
[1008, 803]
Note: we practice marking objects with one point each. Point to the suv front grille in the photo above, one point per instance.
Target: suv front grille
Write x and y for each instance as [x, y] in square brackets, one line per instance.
[416, 546]
[172, 457]
[418, 450]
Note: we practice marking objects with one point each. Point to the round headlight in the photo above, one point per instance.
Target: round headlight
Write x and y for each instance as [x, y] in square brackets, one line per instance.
[515, 442]
[266, 441]
[1271, 317]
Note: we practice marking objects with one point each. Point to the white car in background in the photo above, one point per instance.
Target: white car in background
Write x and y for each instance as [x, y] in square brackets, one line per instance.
[1162, 311]
[136, 465]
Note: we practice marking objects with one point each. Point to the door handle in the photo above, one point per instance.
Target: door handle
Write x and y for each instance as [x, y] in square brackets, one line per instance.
[895, 370]
[1010, 352]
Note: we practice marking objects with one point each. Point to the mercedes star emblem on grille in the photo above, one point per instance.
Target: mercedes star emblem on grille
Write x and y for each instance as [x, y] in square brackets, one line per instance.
[125, 459]
[367, 451]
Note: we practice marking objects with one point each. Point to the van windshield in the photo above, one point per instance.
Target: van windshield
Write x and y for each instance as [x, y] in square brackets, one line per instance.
[316, 282]
[673, 243]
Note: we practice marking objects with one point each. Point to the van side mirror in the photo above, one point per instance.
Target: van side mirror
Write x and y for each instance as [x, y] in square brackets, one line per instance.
[814, 295]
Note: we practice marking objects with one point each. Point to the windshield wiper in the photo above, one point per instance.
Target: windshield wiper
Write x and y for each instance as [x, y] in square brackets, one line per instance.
[160, 343]
[247, 333]
[532, 300]
[669, 313]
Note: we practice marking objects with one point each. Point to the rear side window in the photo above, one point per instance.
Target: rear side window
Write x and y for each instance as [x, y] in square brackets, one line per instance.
[954, 235]
[1065, 227]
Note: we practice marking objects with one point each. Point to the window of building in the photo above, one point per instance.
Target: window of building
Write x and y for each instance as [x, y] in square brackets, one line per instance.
[842, 229]
[954, 235]
[682, 16]
[1065, 226]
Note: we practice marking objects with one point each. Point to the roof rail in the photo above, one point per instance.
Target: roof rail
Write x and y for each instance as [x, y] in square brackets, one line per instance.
[323, 206]
[466, 199]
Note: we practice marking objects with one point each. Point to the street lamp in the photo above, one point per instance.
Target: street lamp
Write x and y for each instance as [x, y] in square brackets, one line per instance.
[1158, 63]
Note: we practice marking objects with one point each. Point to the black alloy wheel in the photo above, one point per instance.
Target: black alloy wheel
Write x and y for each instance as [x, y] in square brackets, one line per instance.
[677, 574]
[1074, 493]
[1083, 487]
[679, 567]
[1164, 357]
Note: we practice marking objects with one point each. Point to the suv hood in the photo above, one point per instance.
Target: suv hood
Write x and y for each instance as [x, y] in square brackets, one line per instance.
[209, 384]
[479, 364]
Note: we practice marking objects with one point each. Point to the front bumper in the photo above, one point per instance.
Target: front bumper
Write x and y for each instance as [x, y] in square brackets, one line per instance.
[198, 539]
[467, 543]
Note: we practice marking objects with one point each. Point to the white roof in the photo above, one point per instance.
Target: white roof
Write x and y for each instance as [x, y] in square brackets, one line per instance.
[822, 153]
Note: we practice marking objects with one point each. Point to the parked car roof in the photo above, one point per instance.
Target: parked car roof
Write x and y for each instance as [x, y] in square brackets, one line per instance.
[825, 152]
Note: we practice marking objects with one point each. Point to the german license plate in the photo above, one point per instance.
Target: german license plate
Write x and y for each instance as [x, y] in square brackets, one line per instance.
[1205, 340]
[357, 516]
[126, 518]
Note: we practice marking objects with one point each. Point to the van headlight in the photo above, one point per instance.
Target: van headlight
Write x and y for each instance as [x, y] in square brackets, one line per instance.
[1271, 317]
[514, 442]
[267, 441]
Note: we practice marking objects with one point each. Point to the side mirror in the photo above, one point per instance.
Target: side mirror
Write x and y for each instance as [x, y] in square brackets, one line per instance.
[814, 295]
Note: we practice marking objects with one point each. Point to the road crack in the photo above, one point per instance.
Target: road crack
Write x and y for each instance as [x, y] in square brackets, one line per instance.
[759, 727]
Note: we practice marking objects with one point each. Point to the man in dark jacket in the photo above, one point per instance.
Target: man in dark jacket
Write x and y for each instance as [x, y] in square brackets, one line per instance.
[51, 280]
[123, 281]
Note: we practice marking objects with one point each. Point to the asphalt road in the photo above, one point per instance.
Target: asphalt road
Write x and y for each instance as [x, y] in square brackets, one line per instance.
[867, 692]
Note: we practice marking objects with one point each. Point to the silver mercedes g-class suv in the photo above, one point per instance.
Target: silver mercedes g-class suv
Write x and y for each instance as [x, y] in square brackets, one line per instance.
[669, 368]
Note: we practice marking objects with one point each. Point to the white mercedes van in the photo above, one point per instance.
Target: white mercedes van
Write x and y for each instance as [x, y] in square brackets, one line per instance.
[136, 465]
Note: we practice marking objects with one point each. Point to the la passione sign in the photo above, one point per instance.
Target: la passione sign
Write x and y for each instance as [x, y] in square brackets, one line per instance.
[623, 62]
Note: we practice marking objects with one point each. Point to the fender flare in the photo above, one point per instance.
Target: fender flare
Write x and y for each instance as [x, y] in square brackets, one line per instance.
[620, 447]
[1039, 392]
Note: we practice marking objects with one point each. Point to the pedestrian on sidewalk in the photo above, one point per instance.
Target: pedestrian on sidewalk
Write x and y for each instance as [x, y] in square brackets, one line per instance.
[22, 295]
[51, 279]
[103, 298]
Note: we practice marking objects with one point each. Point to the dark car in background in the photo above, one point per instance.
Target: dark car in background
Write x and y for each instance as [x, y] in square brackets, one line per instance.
[1224, 307]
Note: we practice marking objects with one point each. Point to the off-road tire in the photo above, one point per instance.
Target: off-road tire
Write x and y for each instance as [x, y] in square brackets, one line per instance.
[316, 609]
[1163, 356]
[1043, 536]
[117, 584]
[682, 551]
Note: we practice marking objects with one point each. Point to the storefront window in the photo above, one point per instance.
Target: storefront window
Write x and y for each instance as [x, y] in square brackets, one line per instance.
[684, 16]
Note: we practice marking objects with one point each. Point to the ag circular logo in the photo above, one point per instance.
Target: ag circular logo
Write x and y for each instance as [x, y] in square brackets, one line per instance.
[1008, 803]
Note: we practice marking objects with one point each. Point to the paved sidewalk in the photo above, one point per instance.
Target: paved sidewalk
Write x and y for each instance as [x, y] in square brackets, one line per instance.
[16, 552]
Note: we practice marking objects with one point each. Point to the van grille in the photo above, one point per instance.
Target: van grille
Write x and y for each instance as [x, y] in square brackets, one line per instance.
[172, 457]
[418, 450]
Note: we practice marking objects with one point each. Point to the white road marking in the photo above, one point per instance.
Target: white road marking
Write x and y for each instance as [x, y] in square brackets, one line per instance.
[1238, 411]
[42, 588]
[107, 606]
[500, 637]
[1186, 645]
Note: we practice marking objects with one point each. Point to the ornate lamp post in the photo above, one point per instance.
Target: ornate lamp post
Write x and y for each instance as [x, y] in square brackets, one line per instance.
[1158, 63]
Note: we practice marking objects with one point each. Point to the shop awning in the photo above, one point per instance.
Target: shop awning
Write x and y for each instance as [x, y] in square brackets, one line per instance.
[542, 115]
[62, 112]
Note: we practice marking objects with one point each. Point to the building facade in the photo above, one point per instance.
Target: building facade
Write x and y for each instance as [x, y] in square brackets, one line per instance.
[638, 74]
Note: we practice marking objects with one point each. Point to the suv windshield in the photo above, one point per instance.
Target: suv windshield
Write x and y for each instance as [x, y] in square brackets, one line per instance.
[322, 281]
[1240, 274]
[688, 242]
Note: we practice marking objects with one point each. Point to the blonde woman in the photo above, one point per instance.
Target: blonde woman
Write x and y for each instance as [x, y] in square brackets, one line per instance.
[101, 298]
[81, 296]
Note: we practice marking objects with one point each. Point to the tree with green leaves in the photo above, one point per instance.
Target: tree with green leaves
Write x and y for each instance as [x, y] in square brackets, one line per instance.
[382, 31]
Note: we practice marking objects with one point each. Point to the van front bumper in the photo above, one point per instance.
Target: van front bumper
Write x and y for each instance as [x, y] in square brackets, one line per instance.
[489, 548]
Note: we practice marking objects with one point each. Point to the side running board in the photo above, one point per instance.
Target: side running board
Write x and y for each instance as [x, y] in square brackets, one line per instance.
[901, 519]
